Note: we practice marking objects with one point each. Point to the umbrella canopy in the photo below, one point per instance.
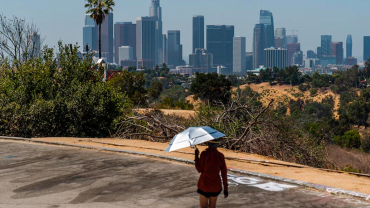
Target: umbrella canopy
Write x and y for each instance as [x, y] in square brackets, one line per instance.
[193, 136]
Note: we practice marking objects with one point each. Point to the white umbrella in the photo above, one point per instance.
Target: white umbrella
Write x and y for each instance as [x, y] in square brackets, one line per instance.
[193, 136]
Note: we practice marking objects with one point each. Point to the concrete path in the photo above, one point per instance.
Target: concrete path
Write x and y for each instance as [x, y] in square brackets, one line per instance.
[41, 176]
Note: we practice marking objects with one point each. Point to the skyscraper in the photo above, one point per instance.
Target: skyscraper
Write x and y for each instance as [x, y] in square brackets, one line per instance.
[89, 20]
[107, 37]
[366, 48]
[326, 45]
[249, 61]
[311, 54]
[35, 49]
[319, 52]
[90, 34]
[164, 48]
[201, 60]
[145, 39]
[267, 19]
[198, 32]
[239, 58]
[337, 51]
[349, 46]
[156, 13]
[124, 35]
[297, 58]
[292, 49]
[90, 37]
[292, 38]
[174, 52]
[280, 38]
[276, 58]
[220, 44]
[125, 53]
[259, 44]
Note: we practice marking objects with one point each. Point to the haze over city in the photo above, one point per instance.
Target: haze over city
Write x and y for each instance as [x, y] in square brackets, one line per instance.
[63, 20]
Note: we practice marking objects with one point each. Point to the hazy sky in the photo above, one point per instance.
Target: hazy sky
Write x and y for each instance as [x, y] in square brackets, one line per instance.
[64, 19]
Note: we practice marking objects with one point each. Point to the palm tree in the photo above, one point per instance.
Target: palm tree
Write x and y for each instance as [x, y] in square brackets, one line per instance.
[97, 10]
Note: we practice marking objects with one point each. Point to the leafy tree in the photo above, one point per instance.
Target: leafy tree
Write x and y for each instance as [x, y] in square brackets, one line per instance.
[233, 79]
[292, 75]
[97, 9]
[58, 96]
[177, 93]
[211, 87]
[155, 90]
[132, 84]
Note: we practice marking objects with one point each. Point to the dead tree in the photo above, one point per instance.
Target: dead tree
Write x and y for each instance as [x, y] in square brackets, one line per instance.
[19, 41]
[151, 125]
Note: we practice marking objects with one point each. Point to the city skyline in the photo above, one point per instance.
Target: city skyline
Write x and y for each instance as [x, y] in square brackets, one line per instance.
[178, 16]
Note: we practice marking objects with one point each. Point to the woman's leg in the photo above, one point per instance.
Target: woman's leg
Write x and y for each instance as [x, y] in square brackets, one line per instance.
[212, 202]
[203, 201]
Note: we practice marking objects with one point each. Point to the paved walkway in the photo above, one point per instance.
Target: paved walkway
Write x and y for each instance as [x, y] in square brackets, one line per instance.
[42, 176]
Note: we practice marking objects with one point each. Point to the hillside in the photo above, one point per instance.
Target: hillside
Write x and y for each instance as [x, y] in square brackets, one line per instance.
[283, 93]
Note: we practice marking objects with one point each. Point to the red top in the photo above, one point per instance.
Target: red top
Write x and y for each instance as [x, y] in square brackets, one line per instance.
[210, 164]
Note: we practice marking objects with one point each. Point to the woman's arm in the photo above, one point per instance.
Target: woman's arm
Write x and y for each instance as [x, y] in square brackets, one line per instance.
[224, 177]
[199, 162]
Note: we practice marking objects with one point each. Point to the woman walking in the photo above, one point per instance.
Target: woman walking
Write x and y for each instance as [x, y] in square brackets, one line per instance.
[210, 163]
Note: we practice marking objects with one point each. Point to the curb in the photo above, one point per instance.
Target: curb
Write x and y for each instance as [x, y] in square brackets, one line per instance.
[317, 187]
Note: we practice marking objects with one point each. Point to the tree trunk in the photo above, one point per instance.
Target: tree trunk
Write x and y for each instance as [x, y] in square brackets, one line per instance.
[99, 41]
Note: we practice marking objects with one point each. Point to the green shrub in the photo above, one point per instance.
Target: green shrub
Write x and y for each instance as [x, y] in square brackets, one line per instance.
[351, 139]
[313, 92]
[58, 96]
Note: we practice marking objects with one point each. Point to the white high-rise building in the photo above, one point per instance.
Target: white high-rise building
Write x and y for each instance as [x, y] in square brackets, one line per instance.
[239, 58]
[126, 53]
[276, 57]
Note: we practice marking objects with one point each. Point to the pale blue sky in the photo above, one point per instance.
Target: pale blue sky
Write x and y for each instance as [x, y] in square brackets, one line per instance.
[64, 19]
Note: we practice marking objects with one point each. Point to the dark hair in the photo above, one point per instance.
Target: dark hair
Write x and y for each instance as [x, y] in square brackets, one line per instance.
[212, 145]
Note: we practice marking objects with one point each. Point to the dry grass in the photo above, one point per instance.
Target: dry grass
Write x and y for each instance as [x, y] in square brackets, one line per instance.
[169, 112]
[284, 93]
[341, 158]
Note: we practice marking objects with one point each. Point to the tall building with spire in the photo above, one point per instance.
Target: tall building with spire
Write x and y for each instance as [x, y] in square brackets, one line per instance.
[156, 12]
[349, 46]
[267, 19]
